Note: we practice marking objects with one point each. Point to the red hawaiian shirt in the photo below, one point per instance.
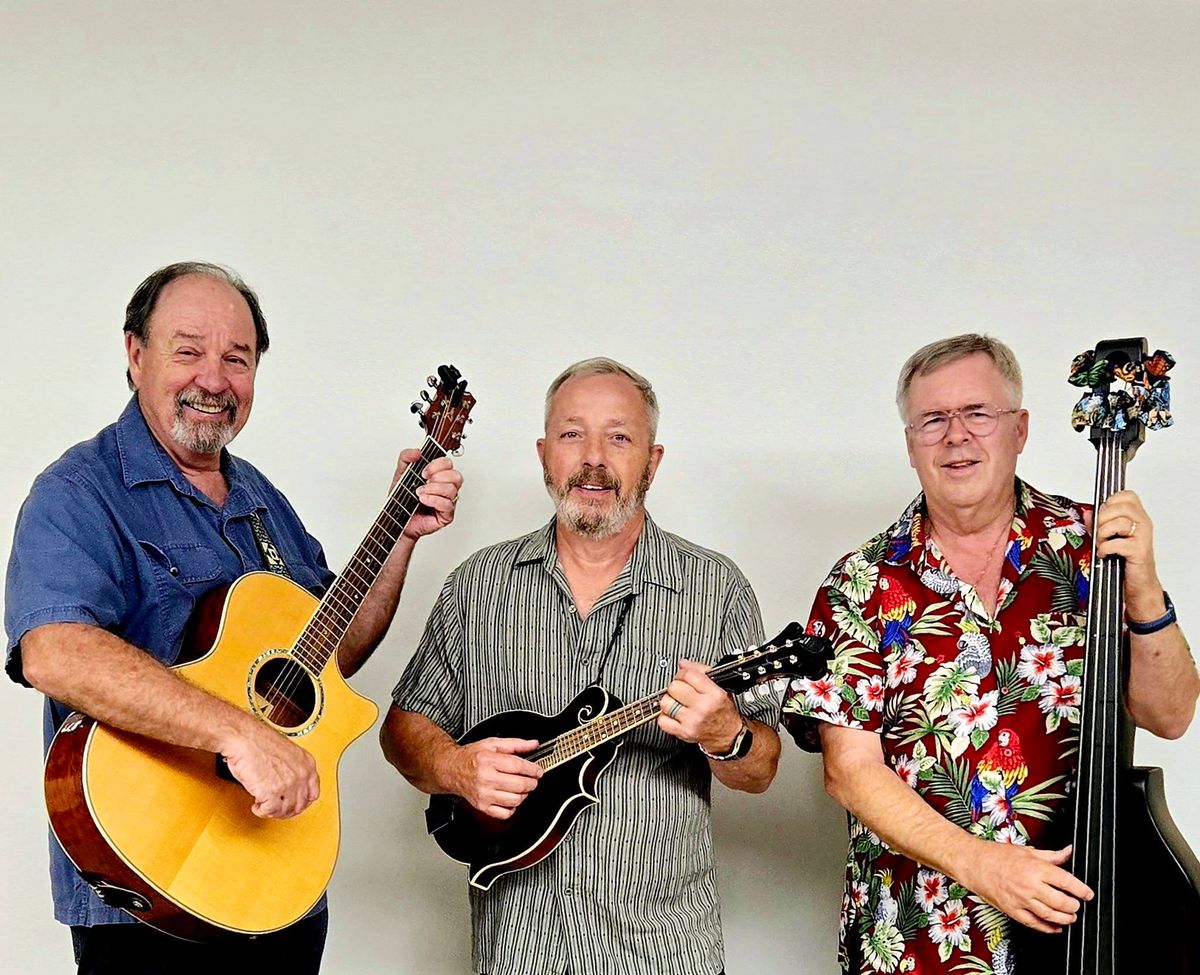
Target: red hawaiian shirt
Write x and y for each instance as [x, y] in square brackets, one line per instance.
[979, 715]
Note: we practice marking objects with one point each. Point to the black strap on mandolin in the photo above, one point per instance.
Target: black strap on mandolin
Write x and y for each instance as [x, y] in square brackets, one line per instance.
[612, 642]
[271, 559]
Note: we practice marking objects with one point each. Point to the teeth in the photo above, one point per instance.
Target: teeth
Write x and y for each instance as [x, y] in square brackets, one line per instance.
[207, 409]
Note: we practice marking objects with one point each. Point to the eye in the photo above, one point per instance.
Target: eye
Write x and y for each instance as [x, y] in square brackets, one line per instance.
[932, 421]
[979, 413]
[622, 438]
[568, 435]
[236, 360]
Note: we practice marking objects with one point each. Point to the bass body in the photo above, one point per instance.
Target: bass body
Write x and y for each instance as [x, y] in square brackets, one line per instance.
[162, 831]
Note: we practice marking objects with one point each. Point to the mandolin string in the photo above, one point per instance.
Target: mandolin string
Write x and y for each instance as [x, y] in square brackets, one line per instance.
[571, 743]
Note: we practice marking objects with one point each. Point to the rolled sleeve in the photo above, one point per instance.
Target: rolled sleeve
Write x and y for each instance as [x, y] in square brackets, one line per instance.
[432, 682]
[64, 566]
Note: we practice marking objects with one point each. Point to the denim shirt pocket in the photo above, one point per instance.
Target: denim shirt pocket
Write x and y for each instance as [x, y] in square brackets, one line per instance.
[182, 573]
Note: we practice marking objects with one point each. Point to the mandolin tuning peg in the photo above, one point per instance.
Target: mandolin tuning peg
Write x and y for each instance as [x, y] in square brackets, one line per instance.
[470, 419]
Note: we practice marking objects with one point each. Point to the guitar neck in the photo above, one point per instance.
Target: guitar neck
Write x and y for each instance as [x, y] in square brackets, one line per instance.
[319, 640]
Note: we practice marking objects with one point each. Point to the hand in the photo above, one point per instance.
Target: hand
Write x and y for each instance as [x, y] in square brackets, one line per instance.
[1123, 528]
[438, 495]
[1027, 884]
[705, 714]
[493, 777]
[279, 775]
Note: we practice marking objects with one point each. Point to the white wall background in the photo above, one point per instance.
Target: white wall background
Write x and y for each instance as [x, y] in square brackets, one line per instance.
[763, 206]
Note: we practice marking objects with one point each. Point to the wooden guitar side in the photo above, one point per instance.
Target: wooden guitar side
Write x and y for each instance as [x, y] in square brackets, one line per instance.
[154, 819]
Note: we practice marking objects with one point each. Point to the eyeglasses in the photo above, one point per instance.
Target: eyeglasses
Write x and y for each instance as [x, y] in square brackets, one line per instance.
[980, 419]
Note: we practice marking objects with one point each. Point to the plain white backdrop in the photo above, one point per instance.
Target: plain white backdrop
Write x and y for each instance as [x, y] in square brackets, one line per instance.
[764, 207]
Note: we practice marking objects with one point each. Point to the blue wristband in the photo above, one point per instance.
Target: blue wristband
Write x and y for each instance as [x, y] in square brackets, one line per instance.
[1153, 626]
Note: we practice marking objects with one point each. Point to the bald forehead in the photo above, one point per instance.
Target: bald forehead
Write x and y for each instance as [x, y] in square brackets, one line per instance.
[196, 304]
[612, 399]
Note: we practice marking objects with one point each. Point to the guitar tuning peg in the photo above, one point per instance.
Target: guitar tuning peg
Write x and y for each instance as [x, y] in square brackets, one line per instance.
[416, 407]
[432, 380]
[470, 419]
[425, 396]
[456, 452]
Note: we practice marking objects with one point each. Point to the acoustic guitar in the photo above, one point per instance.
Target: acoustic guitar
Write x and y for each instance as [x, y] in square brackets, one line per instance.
[164, 832]
[575, 747]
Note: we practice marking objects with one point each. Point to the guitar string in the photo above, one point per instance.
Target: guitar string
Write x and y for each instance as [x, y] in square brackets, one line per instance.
[568, 745]
[336, 597]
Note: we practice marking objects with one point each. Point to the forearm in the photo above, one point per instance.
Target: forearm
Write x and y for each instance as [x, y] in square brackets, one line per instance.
[93, 671]
[377, 611]
[883, 802]
[1163, 682]
[756, 770]
[420, 751]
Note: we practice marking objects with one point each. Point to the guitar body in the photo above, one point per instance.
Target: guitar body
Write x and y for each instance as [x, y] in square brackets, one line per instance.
[163, 831]
[493, 847]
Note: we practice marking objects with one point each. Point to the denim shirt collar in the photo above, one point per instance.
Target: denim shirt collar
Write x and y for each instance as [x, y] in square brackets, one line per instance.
[145, 461]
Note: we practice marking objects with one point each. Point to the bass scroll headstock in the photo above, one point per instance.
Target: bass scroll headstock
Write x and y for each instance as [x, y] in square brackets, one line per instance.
[1128, 393]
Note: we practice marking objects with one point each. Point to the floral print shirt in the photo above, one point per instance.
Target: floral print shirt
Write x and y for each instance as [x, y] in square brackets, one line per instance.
[979, 715]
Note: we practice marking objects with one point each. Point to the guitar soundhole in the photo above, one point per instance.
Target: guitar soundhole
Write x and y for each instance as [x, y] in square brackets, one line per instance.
[285, 693]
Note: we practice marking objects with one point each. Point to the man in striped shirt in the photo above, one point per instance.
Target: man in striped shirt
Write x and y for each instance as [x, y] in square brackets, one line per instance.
[600, 595]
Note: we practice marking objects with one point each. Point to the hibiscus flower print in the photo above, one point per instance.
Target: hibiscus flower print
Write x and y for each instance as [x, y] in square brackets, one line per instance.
[907, 768]
[902, 669]
[997, 808]
[1010, 834]
[949, 924]
[1061, 699]
[932, 889]
[1040, 664]
[819, 693]
[979, 713]
[870, 693]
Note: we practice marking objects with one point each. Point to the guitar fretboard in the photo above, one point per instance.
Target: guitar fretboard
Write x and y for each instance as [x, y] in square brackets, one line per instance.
[319, 640]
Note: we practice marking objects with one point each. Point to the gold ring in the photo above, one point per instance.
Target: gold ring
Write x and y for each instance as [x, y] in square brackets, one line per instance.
[1132, 528]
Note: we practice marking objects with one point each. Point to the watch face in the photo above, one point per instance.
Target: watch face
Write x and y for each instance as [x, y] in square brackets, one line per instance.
[745, 743]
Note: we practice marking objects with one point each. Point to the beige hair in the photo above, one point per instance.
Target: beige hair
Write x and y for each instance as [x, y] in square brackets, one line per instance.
[603, 366]
[944, 351]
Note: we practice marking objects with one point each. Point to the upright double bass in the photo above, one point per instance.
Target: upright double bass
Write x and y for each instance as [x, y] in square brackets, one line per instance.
[1145, 917]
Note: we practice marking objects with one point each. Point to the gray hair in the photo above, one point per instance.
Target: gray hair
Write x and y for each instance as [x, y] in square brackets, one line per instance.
[944, 351]
[603, 366]
[145, 298]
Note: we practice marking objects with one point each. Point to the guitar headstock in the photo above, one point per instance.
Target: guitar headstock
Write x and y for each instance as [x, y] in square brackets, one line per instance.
[1128, 392]
[791, 654]
[445, 414]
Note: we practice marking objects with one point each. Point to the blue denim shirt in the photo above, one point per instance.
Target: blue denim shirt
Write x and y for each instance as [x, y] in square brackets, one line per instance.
[113, 535]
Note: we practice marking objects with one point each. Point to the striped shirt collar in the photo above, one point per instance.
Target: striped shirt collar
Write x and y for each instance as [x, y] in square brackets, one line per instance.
[655, 558]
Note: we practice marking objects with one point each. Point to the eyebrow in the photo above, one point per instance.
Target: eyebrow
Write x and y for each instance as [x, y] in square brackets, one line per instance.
[196, 337]
[965, 406]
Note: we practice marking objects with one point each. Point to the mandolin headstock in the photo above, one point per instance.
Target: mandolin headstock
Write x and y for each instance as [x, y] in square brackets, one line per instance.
[791, 654]
[445, 413]
[1128, 392]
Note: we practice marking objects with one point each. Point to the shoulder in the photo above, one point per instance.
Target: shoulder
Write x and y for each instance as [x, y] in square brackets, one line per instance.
[498, 560]
[88, 471]
[696, 559]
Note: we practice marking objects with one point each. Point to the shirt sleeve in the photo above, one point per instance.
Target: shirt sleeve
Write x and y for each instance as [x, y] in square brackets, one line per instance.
[743, 628]
[65, 566]
[432, 682]
[851, 692]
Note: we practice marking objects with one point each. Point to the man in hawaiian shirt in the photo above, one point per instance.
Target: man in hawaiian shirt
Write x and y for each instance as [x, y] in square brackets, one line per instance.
[956, 687]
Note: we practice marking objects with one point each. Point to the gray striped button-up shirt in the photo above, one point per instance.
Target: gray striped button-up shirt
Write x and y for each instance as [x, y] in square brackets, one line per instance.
[632, 889]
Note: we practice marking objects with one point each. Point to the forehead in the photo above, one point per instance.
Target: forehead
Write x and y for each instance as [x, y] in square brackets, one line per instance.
[973, 379]
[205, 307]
[599, 399]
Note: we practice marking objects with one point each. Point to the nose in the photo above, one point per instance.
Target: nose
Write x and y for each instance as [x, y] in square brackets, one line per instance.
[962, 435]
[593, 450]
[211, 374]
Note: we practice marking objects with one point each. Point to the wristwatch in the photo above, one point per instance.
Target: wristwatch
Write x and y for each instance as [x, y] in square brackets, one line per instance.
[1153, 626]
[743, 741]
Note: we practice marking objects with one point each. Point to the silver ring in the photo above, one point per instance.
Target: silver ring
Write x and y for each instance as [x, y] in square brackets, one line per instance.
[674, 709]
[1132, 528]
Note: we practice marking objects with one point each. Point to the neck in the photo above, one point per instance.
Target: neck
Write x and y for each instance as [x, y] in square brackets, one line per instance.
[595, 556]
[983, 519]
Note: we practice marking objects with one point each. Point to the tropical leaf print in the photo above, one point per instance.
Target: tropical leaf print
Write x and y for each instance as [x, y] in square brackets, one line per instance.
[952, 781]
[1058, 569]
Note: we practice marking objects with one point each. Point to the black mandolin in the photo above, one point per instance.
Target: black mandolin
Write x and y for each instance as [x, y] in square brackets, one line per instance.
[575, 746]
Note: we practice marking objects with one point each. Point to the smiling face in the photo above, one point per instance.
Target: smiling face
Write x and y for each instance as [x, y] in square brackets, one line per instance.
[597, 458]
[964, 471]
[195, 374]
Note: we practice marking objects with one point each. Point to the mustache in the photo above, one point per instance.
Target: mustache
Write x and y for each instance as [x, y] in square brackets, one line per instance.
[593, 477]
[207, 401]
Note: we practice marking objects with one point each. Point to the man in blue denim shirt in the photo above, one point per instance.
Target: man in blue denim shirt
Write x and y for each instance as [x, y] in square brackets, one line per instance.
[114, 545]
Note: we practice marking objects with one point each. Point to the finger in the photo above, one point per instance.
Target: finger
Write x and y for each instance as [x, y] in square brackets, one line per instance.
[442, 465]
[672, 727]
[1058, 857]
[1055, 900]
[497, 812]
[697, 678]
[1031, 920]
[517, 746]
[1072, 885]
[410, 455]
[682, 691]
[510, 765]
[505, 798]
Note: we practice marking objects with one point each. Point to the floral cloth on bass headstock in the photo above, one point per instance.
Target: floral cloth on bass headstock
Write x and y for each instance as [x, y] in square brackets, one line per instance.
[1143, 393]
